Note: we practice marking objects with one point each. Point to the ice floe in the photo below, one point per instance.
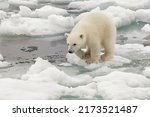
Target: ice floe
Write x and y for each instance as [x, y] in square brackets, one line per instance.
[29, 3]
[43, 12]
[130, 4]
[146, 28]
[117, 61]
[119, 15]
[3, 63]
[143, 15]
[121, 85]
[146, 71]
[17, 25]
[3, 15]
[133, 51]
[45, 81]
[89, 5]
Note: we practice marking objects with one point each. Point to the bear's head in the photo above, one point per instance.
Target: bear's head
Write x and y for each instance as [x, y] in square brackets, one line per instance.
[75, 42]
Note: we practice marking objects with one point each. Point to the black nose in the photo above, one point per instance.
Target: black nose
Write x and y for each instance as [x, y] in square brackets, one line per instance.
[70, 51]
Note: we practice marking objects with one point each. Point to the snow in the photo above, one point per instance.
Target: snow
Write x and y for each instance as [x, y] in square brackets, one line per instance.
[44, 71]
[120, 15]
[146, 28]
[146, 71]
[45, 81]
[43, 12]
[129, 4]
[134, 4]
[17, 25]
[117, 61]
[29, 3]
[121, 85]
[89, 5]
[3, 15]
[143, 15]
[133, 51]
[4, 64]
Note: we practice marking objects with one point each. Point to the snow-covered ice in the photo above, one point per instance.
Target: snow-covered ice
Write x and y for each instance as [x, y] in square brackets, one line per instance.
[120, 15]
[143, 15]
[43, 12]
[115, 62]
[3, 15]
[45, 81]
[140, 51]
[89, 5]
[3, 63]
[146, 28]
[130, 4]
[121, 85]
[146, 71]
[29, 3]
[17, 25]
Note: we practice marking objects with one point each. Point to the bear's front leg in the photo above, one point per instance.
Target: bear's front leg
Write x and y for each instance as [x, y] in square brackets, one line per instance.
[95, 57]
[80, 54]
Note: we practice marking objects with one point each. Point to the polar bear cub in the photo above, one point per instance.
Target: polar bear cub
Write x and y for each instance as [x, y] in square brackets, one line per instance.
[95, 31]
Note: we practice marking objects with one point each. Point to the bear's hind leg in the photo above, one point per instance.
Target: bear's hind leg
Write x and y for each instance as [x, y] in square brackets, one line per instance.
[109, 50]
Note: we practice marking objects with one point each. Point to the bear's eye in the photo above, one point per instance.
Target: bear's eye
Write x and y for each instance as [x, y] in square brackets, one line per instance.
[74, 44]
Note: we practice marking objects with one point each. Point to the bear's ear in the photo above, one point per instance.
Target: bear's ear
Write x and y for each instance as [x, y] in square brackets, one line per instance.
[81, 36]
[66, 35]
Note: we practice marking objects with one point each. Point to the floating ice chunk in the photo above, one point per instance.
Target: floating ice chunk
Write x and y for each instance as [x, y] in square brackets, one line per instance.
[143, 15]
[4, 5]
[19, 89]
[36, 27]
[29, 3]
[120, 15]
[1, 57]
[43, 71]
[134, 4]
[133, 51]
[146, 28]
[146, 72]
[25, 11]
[3, 15]
[117, 61]
[55, 1]
[121, 85]
[45, 11]
[89, 5]
[83, 92]
[65, 64]
[3, 63]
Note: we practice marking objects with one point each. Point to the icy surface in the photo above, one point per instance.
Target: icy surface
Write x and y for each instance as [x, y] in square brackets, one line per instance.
[29, 3]
[146, 28]
[130, 4]
[3, 63]
[143, 15]
[89, 5]
[120, 15]
[43, 12]
[146, 72]
[120, 85]
[3, 15]
[44, 81]
[28, 26]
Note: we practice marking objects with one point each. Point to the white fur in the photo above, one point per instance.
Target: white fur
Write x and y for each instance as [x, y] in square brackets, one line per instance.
[94, 31]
